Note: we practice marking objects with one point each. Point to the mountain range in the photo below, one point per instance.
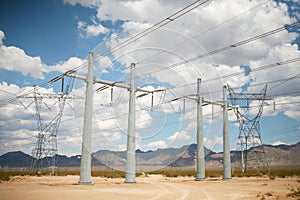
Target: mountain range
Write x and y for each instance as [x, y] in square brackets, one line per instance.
[281, 155]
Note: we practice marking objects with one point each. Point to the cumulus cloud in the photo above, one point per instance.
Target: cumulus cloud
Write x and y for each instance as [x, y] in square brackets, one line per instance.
[211, 143]
[2, 36]
[64, 66]
[209, 27]
[18, 118]
[93, 30]
[276, 143]
[15, 59]
[179, 139]
[157, 145]
[86, 3]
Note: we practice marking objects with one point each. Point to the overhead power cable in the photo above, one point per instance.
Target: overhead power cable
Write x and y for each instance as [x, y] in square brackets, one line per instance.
[237, 44]
[141, 34]
[268, 66]
[264, 83]
[257, 69]
[234, 45]
[276, 64]
[210, 29]
[151, 29]
[156, 26]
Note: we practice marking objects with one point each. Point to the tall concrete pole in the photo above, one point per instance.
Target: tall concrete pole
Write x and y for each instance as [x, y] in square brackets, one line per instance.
[200, 175]
[130, 161]
[85, 164]
[226, 145]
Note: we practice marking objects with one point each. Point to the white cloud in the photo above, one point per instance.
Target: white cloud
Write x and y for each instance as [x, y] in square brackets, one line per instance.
[86, 3]
[64, 66]
[211, 143]
[155, 53]
[183, 136]
[276, 143]
[15, 59]
[181, 39]
[104, 62]
[157, 145]
[2, 36]
[18, 125]
[93, 30]
[288, 106]
[121, 147]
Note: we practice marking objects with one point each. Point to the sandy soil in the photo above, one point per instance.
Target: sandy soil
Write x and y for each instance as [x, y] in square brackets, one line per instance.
[152, 187]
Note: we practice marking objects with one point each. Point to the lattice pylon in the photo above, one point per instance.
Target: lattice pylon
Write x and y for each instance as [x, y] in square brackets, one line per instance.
[45, 148]
[46, 141]
[250, 146]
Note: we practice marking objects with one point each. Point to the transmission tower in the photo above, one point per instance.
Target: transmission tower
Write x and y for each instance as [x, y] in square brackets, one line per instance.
[250, 146]
[45, 148]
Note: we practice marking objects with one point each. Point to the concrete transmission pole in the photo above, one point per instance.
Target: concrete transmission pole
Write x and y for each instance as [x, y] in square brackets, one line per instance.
[200, 174]
[130, 156]
[85, 163]
[200, 158]
[226, 144]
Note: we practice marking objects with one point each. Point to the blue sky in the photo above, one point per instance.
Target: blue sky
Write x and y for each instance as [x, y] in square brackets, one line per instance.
[42, 39]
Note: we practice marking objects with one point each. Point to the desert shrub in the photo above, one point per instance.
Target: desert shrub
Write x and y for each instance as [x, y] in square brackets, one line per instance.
[4, 177]
[294, 193]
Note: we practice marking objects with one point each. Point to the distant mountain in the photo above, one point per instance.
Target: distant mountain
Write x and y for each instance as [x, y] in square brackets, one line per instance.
[281, 155]
[15, 159]
[20, 159]
[189, 156]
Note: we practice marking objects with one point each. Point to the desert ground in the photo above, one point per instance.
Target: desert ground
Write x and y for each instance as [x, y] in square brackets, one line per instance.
[147, 187]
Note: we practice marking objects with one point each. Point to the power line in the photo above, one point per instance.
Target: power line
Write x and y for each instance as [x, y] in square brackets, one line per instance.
[151, 29]
[276, 64]
[143, 33]
[262, 83]
[156, 26]
[234, 45]
[212, 28]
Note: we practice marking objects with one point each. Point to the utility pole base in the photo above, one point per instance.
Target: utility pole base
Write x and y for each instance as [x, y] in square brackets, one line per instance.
[129, 181]
[84, 183]
[200, 179]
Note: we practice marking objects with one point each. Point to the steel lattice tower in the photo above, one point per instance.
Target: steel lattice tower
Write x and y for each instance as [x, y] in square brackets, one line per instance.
[250, 146]
[45, 149]
[46, 141]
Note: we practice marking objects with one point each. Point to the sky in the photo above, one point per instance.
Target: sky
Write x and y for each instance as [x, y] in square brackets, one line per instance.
[42, 39]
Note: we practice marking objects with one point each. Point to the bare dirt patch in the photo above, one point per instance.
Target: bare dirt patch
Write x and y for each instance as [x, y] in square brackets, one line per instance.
[151, 187]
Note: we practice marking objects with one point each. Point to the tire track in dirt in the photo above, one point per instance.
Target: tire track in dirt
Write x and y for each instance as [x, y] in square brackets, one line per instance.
[168, 190]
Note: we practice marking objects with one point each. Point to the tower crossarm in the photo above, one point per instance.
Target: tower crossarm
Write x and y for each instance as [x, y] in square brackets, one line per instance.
[113, 84]
[48, 96]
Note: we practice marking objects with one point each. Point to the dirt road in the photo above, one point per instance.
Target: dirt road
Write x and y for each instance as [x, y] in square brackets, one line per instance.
[151, 187]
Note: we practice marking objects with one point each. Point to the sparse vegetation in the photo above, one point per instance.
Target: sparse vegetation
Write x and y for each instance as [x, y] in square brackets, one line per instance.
[111, 174]
[5, 176]
[272, 177]
[294, 193]
[266, 195]
[186, 173]
[174, 173]
[282, 173]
